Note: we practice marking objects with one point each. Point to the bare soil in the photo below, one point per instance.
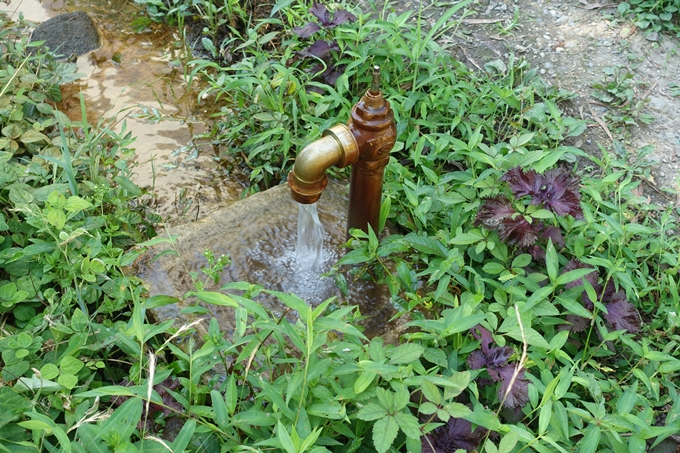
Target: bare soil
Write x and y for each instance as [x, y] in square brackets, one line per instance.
[572, 43]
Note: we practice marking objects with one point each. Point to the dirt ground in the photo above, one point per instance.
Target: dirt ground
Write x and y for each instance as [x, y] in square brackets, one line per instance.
[572, 43]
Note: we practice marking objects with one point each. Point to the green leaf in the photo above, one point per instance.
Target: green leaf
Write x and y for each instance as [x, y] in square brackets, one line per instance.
[544, 417]
[627, 401]
[220, 409]
[508, 442]
[406, 353]
[431, 392]
[551, 261]
[590, 440]
[70, 365]
[571, 276]
[76, 204]
[68, 380]
[385, 431]
[215, 298]
[276, 398]
[371, 411]
[285, 439]
[118, 428]
[408, 424]
[333, 411]
[457, 410]
[49, 371]
[128, 186]
[56, 218]
[185, 435]
[364, 380]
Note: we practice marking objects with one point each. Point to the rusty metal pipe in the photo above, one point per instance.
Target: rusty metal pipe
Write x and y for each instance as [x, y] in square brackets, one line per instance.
[365, 143]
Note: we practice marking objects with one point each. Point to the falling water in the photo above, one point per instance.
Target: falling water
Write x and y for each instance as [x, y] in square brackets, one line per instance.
[309, 252]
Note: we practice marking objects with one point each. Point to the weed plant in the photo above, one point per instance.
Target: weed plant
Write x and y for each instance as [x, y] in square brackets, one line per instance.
[540, 285]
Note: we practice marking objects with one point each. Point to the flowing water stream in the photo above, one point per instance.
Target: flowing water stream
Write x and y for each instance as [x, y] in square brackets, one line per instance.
[310, 235]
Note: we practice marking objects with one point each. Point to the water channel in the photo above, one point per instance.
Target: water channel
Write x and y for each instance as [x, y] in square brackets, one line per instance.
[137, 77]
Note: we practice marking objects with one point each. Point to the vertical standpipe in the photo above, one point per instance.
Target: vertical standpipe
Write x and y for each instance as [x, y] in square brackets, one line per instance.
[365, 143]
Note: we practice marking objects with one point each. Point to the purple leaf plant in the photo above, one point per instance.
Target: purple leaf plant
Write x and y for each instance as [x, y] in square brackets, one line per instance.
[555, 190]
[620, 315]
[514, 393]
[322, 49]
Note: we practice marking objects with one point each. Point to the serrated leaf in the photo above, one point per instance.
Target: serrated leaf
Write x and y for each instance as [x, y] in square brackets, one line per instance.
[385, 431]
[406, 353]
[371, 411]
[408, 424]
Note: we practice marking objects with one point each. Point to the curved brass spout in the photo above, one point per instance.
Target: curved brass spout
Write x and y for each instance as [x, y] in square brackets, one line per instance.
[366, 141]
[337, 147]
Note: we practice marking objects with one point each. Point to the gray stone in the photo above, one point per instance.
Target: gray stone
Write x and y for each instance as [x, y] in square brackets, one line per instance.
[68, 34]
[653, 36]
[659, 104]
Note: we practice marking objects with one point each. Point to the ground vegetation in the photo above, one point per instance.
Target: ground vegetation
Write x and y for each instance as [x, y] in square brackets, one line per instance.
[541, 290]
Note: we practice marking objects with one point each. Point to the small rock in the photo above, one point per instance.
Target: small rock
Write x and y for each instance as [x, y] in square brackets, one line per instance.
[548, 65]
[542, 71]
[559, 49]
[659, 104]
[653, 36]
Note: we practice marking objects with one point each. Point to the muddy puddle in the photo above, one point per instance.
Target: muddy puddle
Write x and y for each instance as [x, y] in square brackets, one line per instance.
[135, 80]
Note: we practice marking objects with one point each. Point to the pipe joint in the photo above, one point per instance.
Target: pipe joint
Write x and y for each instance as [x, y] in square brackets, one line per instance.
[337, 147]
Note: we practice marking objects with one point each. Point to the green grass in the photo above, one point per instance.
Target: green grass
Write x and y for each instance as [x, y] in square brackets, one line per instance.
[565, 342]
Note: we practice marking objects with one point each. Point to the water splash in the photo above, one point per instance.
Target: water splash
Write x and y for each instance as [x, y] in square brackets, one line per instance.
[310, 236]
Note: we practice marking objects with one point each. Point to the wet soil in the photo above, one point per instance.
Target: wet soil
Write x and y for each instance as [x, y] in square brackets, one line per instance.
[572, 44]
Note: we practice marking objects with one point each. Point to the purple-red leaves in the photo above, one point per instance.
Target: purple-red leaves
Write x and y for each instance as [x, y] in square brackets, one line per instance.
[325, 21]
[495, 360]
[621, 314]
[497, 214]
[556, 189]
[457, 433]
[308, 30]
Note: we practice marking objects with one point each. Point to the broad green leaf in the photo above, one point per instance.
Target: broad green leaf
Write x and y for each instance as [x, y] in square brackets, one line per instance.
[627, 401]
[408, 424]
[185, 435]
[456, 410]
[385, 431]
[371, 411]
[220, 409]
[276, 398]
[508, 442]
[590, 440]
[294, 302]
[406, 353]
[575, 307]
[118, 428]
[572, 276]
[431, 392]
[76, 204]
[544, 417]
[363, 381]
[70, 365]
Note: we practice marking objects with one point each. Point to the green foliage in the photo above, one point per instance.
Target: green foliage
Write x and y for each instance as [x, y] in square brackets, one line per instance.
[617, 89]
[655, 16]
[500, 336]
